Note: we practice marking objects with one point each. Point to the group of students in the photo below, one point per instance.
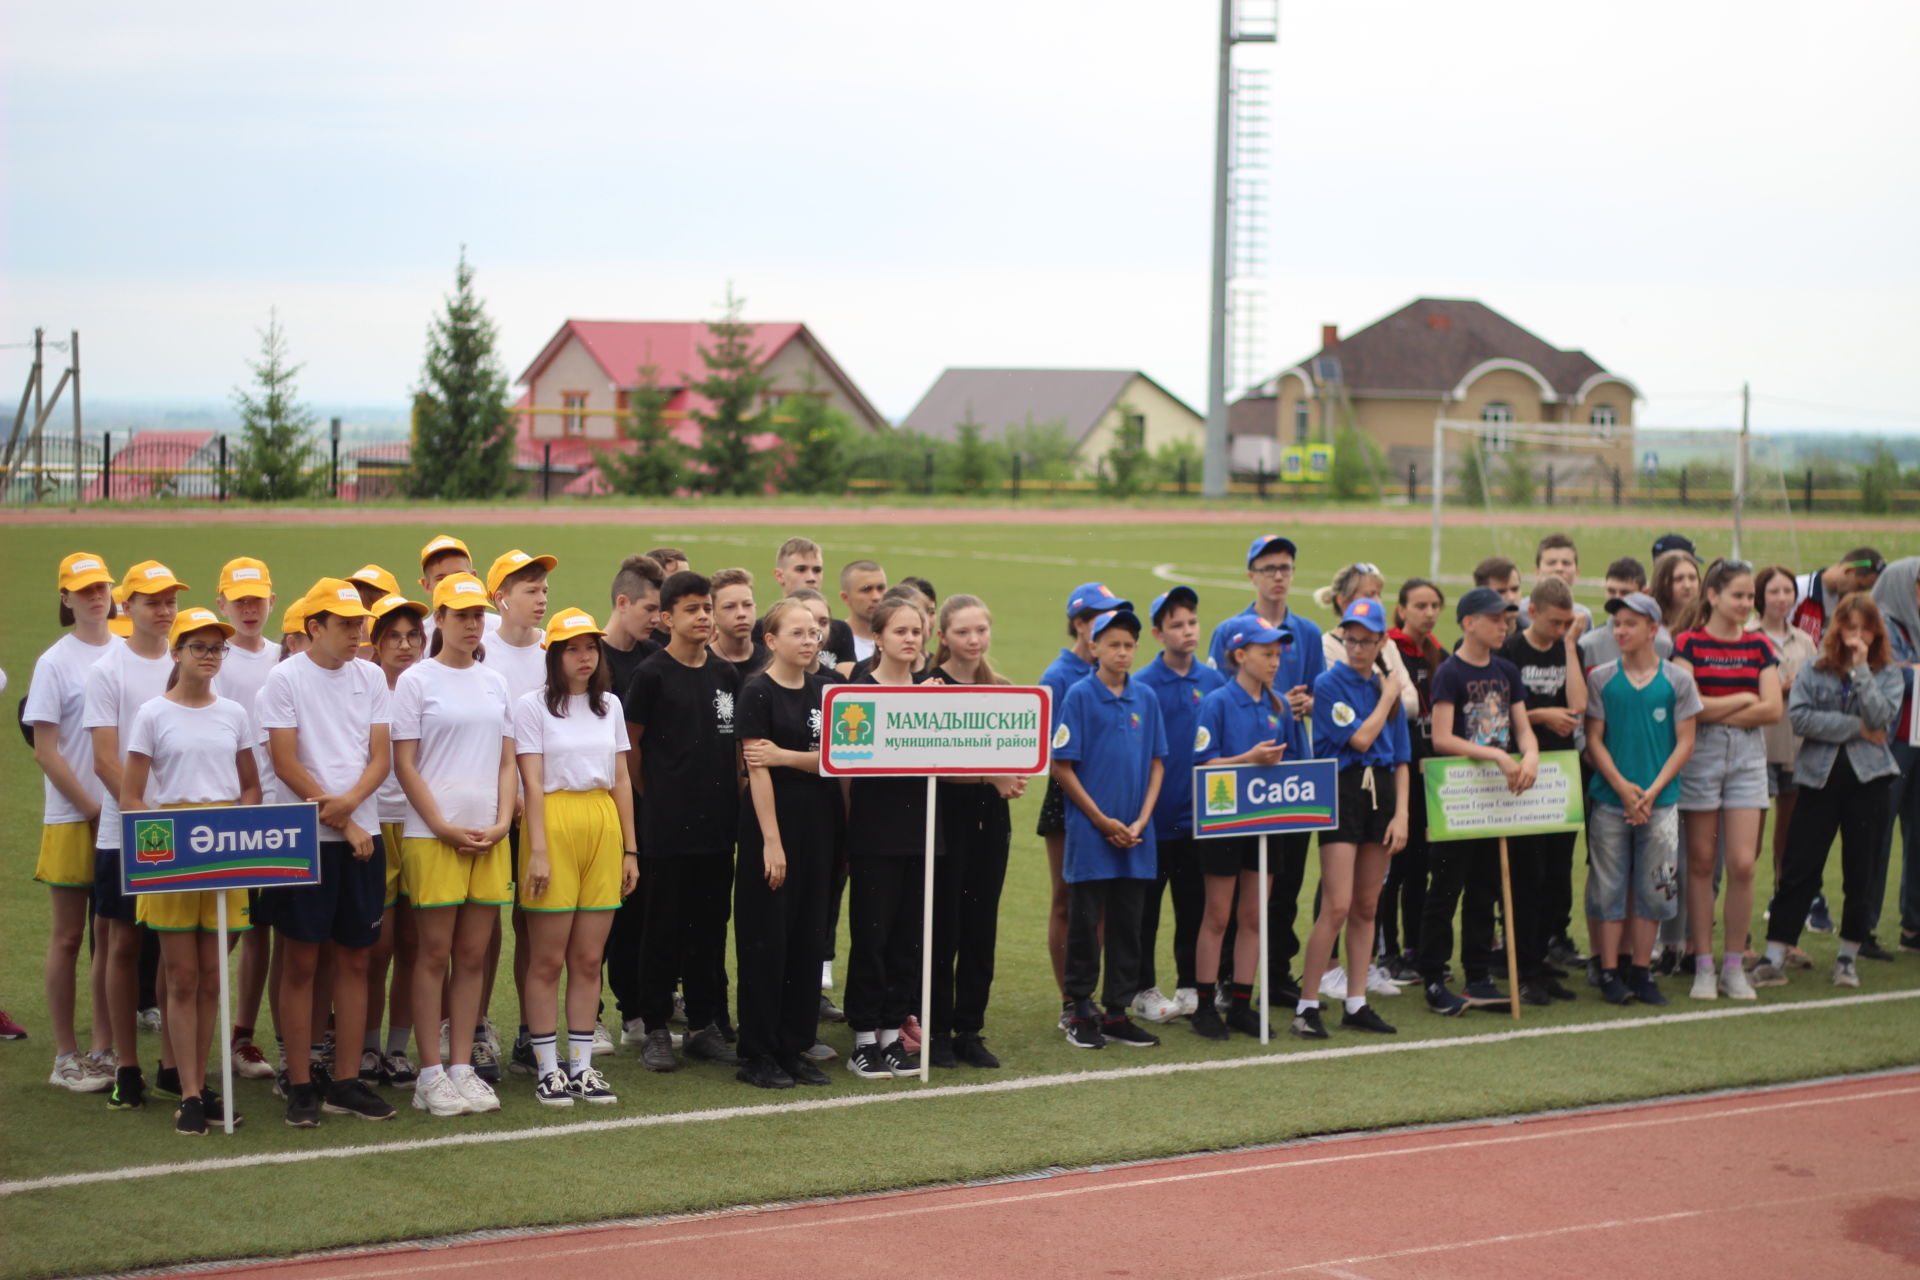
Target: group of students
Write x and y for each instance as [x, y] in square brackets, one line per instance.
[630, 790]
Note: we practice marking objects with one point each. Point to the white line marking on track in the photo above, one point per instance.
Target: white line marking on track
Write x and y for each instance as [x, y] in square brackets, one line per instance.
[842, 1102]
[787, 1220]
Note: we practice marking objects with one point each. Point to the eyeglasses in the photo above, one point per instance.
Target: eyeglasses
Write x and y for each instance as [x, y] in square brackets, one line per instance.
[1273, 571]
[405, 637]
[199, 650]
[1360, 642]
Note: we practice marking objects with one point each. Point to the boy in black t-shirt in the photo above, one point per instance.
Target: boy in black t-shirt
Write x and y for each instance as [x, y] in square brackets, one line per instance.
[1544, 652]
[628, 643]
[1479, 710]
[690, 777]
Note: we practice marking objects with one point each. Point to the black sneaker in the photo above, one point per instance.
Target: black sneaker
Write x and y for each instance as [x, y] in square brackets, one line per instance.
[973, 1051]
[763, 1073]
[711, 1046]
[1403, 970]
[1306, 1024]
[522, 1061]
[552, 1090]
[899, 1061]
[725, 1023]
[1872, 950]
[320, 1078]
[1084, 1033]
[1664, 964]
[281, 1084]
[1559, 991]
[869, 1062]
[1554, 971]
[1561, 951]
[1645, 989]
[303, 1107]
[1244, 1020]
[804, 1072]
[1206, 1023]
[1444, 1002]
[829, 1011]
[129, 1092]
[190, 1118]
[1614, 991]
[940, 1051]
[1125, 1031]
[1534, 995]
[1285, 993]
[1819, 919]
[215, 1108]
[354, 1098]
[1484, 994]
[656, 1051]
[1365, 1019]
[1594, 971]
[166, 1083]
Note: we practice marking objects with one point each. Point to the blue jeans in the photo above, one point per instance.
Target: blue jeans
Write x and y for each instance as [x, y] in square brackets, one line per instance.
[1644, 856]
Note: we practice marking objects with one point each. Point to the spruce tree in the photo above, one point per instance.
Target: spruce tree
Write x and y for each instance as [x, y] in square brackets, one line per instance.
[732, 388]
[463, 438]
[272, 460]
[657, 467]
[817, 437]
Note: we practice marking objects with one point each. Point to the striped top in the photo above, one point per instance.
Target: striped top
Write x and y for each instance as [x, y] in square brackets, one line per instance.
[1722, 668]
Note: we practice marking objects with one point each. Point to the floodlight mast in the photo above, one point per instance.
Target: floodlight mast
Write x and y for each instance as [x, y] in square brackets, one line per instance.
[1261, 28]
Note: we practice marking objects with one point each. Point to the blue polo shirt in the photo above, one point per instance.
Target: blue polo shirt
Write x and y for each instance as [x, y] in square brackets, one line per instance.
[1233, 722]
[1112, 740]
[1300, 662]
[1342, 700]
[1066, 671]
[1179, 697]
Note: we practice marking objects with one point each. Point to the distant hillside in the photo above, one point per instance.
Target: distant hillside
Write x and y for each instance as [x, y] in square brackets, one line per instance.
[1787, 447]
[357, 422]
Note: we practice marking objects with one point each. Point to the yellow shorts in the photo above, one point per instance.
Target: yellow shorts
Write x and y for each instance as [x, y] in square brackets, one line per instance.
[391, 840]
[583, 854]
[195, 911]
[66, 855]
[435, 874]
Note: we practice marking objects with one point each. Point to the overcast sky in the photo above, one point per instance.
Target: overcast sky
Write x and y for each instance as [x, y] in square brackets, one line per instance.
[1696, 194]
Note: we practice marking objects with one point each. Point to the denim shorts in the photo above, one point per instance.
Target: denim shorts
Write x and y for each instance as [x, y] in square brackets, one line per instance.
[1728, 770]
[1645, 856]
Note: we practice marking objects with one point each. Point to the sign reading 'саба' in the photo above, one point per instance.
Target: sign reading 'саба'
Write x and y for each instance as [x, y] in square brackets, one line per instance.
[1265, 799]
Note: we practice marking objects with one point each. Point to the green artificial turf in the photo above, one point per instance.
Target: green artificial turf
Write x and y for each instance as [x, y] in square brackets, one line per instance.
[1024, 573]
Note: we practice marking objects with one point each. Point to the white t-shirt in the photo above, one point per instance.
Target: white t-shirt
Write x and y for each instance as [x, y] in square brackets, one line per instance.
[270, 789]
[118, 685]
[391, 799]
[458, 716]
[862, 647]
[333, 712]
[192, 750]
[58, 696]
[579, 749]
[525, 668]
[242, 676]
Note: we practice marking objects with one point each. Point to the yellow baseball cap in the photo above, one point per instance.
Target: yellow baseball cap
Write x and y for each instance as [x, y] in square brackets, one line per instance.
[460, 591]
[336, 596]
[149, 577]
[512, 562]
[387, 604]
[444, 542]
[82, 569]
[196, 619]
[568, 623]
[294, 621]
[374, 576]
[120, 625]
[243, 577]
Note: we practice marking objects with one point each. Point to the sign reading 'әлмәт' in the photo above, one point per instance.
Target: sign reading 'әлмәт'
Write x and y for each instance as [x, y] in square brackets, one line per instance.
[935, 729]
[219, 847]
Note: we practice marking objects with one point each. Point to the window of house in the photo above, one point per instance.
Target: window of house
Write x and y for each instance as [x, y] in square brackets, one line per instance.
[1604, 419]
[573, 424]
[1498, 414]
[1302, 422]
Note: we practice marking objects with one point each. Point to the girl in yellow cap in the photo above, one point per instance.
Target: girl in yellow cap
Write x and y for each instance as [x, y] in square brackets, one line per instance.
[56, 699]
[580, 857]
[399, 641]
[190, 748]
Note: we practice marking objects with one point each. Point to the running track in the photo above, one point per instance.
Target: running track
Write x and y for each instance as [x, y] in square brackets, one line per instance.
[1808, 1180]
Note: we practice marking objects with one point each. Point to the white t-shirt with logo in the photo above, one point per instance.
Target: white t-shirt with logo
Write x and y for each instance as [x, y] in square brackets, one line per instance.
[193, 750]
[58, 696]
[458, 715]
[332, 714]
[579, 750]
[117, 687]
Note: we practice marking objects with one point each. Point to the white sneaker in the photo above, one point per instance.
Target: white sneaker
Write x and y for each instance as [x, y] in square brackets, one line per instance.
[479, 1095]
[440, 1096]
[633, 1031]
[1154, 1006]
[602, 1041]
[149, 1019]
[679, 1013]
[249, 1063]
[1333, 984]
[1188, 998]
[493, 1037]
[1734, 984]
[103, 1064]
[826, 975]
[70, 1073]
[1379, 984]
[1844, 972]
[1705, 985]
[446, 1050]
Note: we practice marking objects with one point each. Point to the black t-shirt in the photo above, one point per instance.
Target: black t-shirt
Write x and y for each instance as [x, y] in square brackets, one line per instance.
[1482, 699]
[1544, 675]
[689, 765]
[1420, 728]
[752, 665]
[969, 804]
[834, 650]
[888, 816]
[790, 719]
[622, 663]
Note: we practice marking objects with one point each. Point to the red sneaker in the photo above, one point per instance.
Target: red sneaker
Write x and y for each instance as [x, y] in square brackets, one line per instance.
[9, 1029]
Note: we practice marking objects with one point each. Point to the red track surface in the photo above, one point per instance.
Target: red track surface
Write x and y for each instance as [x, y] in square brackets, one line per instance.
[1819, 1180]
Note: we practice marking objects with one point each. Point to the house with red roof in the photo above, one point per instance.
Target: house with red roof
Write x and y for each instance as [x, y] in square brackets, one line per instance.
[158, 464]
[581, 380]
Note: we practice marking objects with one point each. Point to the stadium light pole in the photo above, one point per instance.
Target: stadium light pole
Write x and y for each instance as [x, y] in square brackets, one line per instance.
[1214, 471]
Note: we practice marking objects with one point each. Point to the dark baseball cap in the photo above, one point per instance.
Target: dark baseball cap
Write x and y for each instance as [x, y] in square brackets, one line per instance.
[1174, 595]
[1482, 600]
[1673, 542]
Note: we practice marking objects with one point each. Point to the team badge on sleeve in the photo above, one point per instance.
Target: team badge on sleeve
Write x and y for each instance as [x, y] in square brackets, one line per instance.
[1060, 737]
[1342, 714]
[1202, 739]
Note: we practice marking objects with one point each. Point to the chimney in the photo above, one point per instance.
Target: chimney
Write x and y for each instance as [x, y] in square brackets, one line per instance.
[1329, 336]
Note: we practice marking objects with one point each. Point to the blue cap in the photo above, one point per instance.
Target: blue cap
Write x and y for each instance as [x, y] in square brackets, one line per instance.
[1638, 601]
[1122, 618]
[1482, 600]
[1093, 597]
[1270, 542]
[1370, 614]
[1259, 635]
[1175, 595]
